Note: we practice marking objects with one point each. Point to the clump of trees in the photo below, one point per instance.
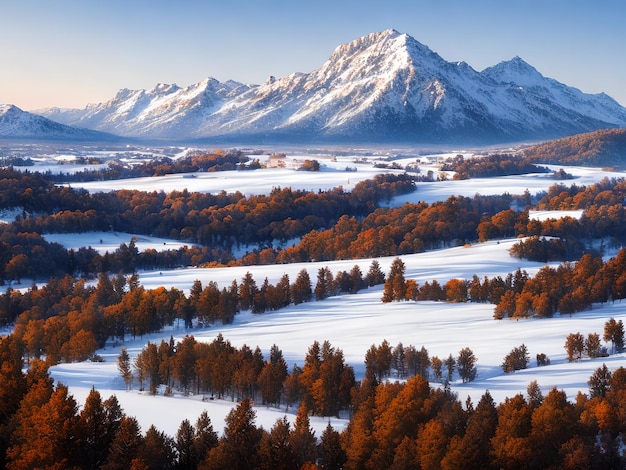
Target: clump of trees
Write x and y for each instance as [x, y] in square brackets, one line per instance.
[491, 165]
[400, 423]
[577, 345]
[220, 370]
[517, 359]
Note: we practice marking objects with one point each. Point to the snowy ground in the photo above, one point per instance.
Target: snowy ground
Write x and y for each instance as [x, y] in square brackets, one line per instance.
[111, 241]
[354, 322]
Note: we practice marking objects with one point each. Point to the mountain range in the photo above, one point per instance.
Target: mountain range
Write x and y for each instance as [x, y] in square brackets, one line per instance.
[383, 87]
[16, 123]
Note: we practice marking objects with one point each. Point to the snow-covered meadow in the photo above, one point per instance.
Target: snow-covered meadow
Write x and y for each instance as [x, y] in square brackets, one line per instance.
[354, 322]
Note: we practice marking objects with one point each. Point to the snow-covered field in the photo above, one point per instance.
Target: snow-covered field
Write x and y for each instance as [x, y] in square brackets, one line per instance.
[111, 241]
[354, 322]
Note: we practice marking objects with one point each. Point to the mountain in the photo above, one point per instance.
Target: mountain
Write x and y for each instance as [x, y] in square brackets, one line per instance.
[15, 123]
[166, 111]
[381, 87]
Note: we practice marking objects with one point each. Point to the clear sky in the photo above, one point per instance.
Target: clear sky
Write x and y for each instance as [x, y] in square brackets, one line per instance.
[69, 53]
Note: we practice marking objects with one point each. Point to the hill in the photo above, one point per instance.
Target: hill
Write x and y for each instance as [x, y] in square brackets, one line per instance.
[601, 148]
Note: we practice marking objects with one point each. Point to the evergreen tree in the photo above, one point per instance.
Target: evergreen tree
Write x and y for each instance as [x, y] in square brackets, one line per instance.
[302, 438]
[95, 430]
[332, 455]
[395, 285]
[47, 435]
[473, 450]
[247, 290]
[283, 290]
[600, 382]
[574, 346]
[517, 359]
[450, 363]
[466, 364]
[324, 285]
[272, 377]
[356, 279]
[205, 437]
[276, 451]
[156, 451]
[614, 332]
[593, 348]
[123, 366]
[185, 446]
[301, 290]
[184, 363]
[535, 396]
[13, 387]
[240, 443]
[553, 424]
[510, 441]
[125, 445]
[375, 275]
[437, 367]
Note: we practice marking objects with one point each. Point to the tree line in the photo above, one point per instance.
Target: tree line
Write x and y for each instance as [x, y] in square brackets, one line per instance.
[603, 148]
[68, 320]
[489, 166]
[402, 424]
[215, 224]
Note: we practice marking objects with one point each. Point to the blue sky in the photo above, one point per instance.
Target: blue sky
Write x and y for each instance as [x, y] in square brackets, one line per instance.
[69, 53]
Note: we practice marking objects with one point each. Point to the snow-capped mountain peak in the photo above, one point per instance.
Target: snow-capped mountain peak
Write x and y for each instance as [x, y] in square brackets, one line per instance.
[16, 123]
[382, 86]
[516, 71]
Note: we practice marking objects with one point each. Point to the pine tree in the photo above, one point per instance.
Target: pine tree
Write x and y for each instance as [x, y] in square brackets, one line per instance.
[510, 441]
[47, 435]
[276, 451]
[450, 363]
[375, 275]
[395, 285]
[474, 448]
[600, 382]
[466, 364]
[332, 455]
[535, 396]
[95, 431]
[125, 445]
[301, 290]
[123, 366]
[185, 446]
[323, 287]
[157, 451]
[184, 363]
[247, 290]
[614, 332]
[593, 348]
[302, 438]
[272, 377]
[356, 279]
[517, 359]
[205, 437]
[574, 346]
[241, 437]
[553, 424]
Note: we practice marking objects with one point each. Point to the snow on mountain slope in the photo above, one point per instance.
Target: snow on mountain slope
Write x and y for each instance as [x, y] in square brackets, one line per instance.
[166, 111]
[15, 123]
[385, 86]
